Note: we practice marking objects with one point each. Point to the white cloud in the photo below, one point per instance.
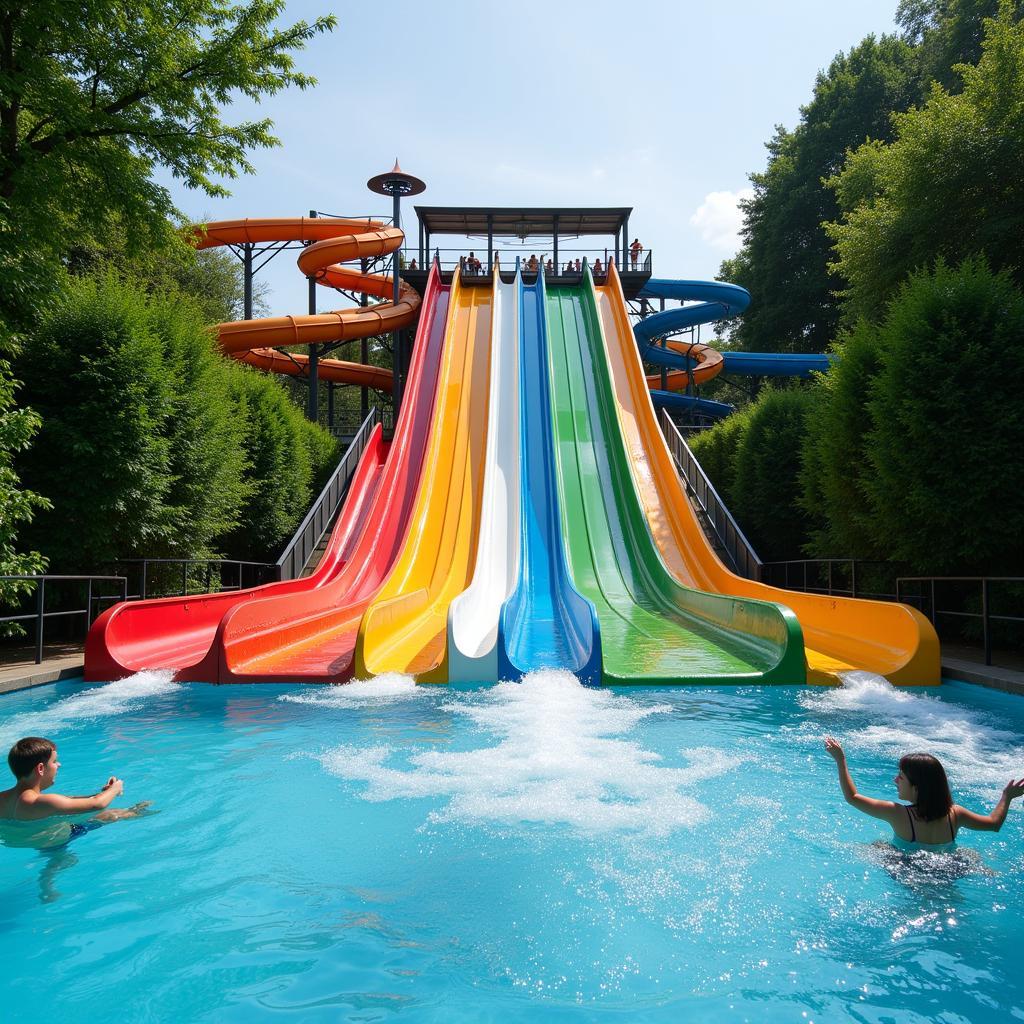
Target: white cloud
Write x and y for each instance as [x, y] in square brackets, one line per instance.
[719, 218]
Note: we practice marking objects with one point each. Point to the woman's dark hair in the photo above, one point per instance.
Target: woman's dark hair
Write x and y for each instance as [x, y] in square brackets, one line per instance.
[926, 773]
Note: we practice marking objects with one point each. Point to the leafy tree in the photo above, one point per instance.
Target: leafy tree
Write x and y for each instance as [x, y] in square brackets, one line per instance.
[946, 33]
[835, 468]
[946, 443]
[785, 254]
[947, 186]
[280, 456]
[17, 505]
[212, 279]
[716, 451]
[207, 459]
[96, 374]
[766, 488]
[96, 94]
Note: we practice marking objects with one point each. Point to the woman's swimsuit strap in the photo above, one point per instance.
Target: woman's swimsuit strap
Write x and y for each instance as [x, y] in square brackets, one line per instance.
[913, 831]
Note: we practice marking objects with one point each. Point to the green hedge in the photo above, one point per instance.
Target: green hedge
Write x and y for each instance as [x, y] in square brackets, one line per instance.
[152, 443]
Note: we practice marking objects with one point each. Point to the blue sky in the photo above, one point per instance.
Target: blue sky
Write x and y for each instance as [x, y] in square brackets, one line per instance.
[662, 106]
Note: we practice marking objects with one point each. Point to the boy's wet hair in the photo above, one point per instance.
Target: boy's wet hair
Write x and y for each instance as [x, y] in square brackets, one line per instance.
[27, 753]
[926, 773]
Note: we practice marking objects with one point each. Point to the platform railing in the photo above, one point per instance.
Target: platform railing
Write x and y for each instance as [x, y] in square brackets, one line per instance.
[926, 592]
[44, 584]
[466, 258]
[700, 489]
[318, 519]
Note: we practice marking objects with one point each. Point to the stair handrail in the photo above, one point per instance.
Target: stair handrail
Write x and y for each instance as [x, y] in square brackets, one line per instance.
[740, 551]
[318, 519]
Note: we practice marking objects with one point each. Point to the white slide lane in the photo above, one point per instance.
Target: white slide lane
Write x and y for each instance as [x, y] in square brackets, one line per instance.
[473, 615]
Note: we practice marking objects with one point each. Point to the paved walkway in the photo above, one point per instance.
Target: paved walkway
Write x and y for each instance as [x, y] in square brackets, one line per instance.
[967, 664]
[19, 671]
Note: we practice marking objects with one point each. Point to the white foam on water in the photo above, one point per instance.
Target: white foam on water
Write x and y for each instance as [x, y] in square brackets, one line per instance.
[89, 704]
[561, 756]
[380, 689]
[980, 755]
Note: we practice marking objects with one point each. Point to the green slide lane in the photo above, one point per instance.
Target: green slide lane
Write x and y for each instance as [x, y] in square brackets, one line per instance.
[653, 630]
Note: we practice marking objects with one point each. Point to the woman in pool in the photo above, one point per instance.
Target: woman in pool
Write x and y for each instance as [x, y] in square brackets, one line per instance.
[930, 820]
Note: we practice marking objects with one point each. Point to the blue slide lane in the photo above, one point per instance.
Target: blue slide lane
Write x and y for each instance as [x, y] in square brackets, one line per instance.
[545, 623]
[714, 300]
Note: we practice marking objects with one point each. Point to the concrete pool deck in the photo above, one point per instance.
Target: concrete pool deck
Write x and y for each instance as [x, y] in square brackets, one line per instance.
[66, 662]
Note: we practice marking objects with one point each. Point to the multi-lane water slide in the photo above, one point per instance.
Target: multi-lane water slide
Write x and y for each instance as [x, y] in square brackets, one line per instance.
[840, 634]
[653, 628]
[179, 633]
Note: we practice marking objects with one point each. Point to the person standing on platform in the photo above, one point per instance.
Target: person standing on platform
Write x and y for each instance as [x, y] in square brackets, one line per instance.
[634, 252]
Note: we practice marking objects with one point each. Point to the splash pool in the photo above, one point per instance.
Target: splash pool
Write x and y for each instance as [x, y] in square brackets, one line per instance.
[536, 851]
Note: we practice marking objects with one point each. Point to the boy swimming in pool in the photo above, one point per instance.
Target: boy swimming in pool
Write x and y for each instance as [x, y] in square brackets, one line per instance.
[31, 817]
[931, 820]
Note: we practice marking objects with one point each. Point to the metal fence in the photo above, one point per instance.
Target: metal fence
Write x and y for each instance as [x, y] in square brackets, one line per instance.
[319, 518]
[45, 583]
[178, 577]
[836, 577]
[974, 596]
[700, 489]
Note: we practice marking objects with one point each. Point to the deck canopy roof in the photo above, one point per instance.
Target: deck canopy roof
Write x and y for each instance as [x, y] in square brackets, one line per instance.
[522, 222]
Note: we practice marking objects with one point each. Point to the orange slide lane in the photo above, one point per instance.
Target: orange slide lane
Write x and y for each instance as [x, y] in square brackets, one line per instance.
[333, 241]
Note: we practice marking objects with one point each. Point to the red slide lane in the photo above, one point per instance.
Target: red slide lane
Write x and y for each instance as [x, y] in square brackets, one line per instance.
[178, 632]
[309, 637]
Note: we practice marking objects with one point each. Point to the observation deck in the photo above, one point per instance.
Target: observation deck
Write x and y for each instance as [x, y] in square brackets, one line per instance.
[558, 238]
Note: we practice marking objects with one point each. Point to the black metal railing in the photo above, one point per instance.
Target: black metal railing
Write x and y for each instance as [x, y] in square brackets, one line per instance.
[45, 583]
[835, 577]
[319, 518]
[179, 577]
[347, 428]
[700, 489]
[473, 261]
[975, 598]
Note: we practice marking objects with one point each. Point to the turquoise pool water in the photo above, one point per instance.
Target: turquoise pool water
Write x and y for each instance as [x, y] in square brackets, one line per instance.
[536, 851]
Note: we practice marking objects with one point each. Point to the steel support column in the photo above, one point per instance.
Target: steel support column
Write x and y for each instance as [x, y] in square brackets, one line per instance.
[396, 338]
[247, 280]
[364, 356]
[490, 242]
[313, 398]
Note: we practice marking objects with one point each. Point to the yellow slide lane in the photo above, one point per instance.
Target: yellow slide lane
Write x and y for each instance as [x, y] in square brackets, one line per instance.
[892, 640]
[405, 628]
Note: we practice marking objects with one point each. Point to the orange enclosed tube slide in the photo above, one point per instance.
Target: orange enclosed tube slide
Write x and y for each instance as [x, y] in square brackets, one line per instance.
[333, 241]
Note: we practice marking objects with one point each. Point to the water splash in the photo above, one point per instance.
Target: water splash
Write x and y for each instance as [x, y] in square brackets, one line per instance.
[87, 705]
[380, 689]
[867, 712]
[561, 757]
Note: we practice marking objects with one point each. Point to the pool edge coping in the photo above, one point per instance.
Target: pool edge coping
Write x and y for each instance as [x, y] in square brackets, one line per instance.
[953, 671]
